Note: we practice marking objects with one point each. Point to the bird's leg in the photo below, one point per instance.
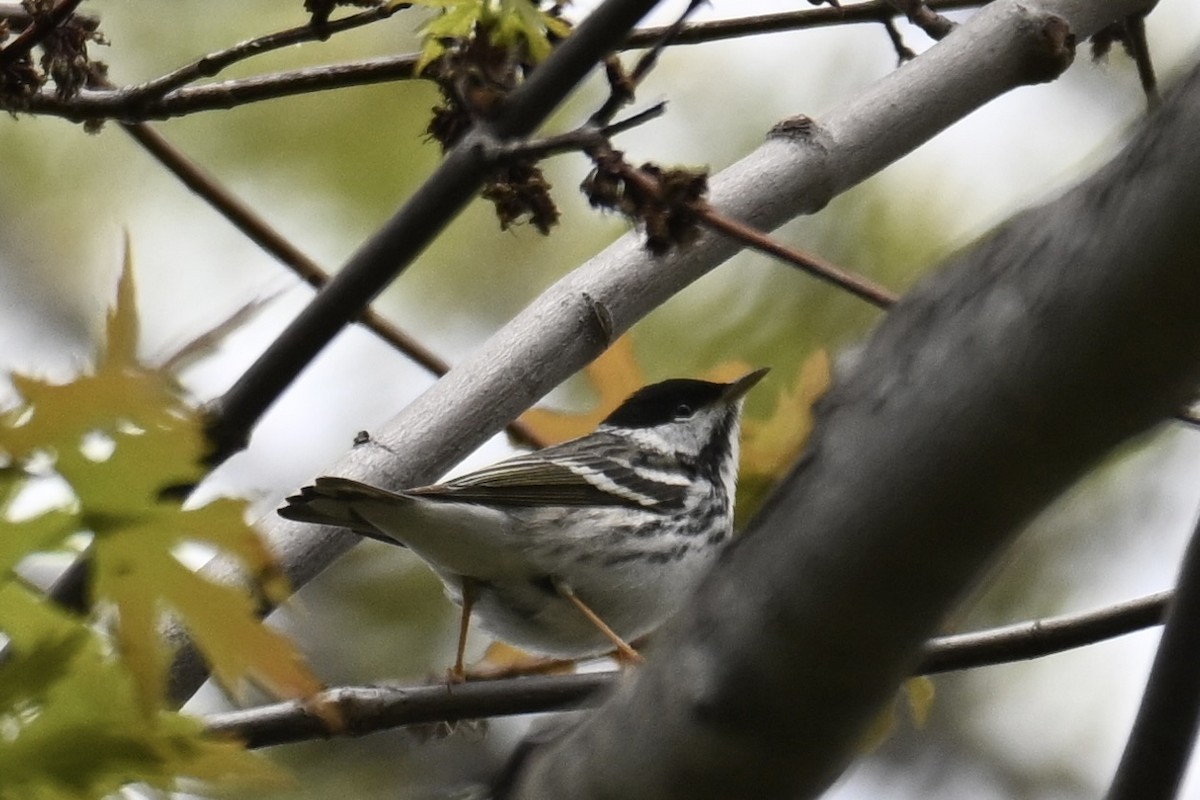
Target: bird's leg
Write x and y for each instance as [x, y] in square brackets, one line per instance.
[625, 654]
[458, 673]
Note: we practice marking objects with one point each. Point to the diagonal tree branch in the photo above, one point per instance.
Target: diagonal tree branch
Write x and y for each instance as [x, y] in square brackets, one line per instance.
[573, 321]
[415, 224]
[982, 395]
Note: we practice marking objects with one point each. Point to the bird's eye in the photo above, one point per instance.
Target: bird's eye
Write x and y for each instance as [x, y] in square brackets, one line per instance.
[683, 411]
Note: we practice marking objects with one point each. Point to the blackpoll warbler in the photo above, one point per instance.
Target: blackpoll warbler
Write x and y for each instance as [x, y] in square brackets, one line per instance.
[579, 548]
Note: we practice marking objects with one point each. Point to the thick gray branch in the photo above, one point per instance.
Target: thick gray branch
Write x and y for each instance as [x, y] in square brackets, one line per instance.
[1007, 44]
[982, 395]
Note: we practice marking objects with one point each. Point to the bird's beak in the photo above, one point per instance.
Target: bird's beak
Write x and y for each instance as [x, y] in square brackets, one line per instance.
[737, 390]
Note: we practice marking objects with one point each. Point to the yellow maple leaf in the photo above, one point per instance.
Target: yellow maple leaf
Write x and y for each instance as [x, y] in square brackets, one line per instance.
[917, 695]
[615, 375]
[74, 727]
[129, 446]
[770, 445]
[504, 660]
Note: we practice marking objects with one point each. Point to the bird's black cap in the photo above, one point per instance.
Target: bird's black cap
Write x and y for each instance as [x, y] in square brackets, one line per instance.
[662, 402]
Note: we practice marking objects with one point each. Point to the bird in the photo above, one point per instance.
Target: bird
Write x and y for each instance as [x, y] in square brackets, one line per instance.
[575, 550]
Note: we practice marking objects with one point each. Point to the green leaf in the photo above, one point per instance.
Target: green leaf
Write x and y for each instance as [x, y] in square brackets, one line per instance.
[72, 726]
[124, 327]
[125, 440]
[517, 24]
[32, 535]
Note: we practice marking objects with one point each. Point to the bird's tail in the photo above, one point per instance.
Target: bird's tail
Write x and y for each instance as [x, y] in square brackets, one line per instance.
[333, 501]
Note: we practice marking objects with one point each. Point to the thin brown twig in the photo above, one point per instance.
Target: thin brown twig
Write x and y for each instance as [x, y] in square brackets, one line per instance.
[856, 285]
[370, 709]
[624, 85]
[246, 220]
[43, 25]
[213, 63]
[903, 51]
[920, 14]
[100, 105]
[669, 35]
[19, 17]
[116, 104]
[1138, 47]
[717, 30]
[573, 141]
[1025, 640]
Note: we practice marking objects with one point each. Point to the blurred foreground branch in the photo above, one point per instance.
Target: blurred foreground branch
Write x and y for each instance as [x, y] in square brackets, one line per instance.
[1164, 733]
[982, 395]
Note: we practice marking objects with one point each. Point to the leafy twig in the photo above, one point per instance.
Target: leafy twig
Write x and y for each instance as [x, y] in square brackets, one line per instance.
[417, 222]
[651, 186]
[116, 104]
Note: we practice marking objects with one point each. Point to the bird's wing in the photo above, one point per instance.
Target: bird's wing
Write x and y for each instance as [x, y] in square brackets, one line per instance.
[576, 473]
